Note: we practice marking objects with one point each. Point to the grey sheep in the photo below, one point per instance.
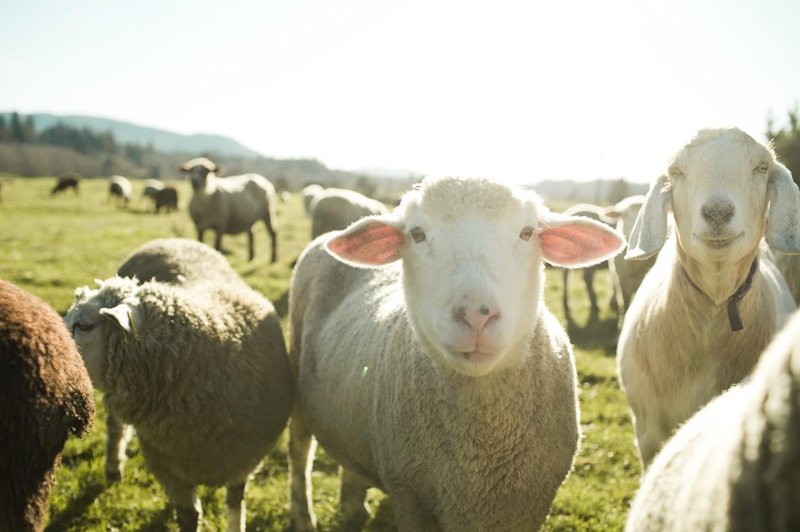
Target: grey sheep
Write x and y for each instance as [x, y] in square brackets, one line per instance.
[67, 181]
[198, 367]
[427, 364]
[735, 465]
[336, 208]
[166, 198]
[120, 187]
[230, 205]
[46, 394]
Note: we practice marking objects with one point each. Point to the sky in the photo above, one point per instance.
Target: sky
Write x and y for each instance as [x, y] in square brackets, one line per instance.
[520, 91]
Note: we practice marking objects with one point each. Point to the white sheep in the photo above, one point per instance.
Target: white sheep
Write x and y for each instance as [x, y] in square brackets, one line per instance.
[336, 208]
[441, 378]
[198, 368]
[626, 275]
[708, 306]
[310, 192]
[230, 205]
[735, 465]
[121, 188]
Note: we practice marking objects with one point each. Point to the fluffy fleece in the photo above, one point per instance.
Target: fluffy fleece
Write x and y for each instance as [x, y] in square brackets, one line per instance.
[199, 369]
[46, 394]
[336, 208]
[443, 380]
[735, 465]
[679, 346]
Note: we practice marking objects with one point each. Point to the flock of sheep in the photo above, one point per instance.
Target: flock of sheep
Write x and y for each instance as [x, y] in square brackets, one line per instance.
[422, 357]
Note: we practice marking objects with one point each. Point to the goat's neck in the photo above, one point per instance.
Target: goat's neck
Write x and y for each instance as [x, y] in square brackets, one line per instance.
[717, 280]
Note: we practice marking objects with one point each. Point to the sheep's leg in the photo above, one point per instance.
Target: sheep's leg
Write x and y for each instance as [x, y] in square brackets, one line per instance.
[250, 251]
[200, 234]
[566, 297]
[301, 460]
[118, 435]
[234, 496]
[273, 236]
[189, 513]
[351, 500]
[588, 279]
[218, 240]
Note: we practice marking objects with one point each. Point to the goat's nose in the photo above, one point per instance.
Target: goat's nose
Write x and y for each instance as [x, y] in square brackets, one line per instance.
[476, 316]
[718, 212]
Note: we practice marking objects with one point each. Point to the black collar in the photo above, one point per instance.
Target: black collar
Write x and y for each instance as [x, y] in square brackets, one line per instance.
[733, 302]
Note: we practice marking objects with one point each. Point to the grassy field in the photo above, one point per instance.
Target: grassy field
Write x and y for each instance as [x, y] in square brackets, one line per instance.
[50, 245]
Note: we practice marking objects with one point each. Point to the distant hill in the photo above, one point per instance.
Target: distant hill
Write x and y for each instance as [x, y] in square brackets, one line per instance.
[599, 191]
[128, 133]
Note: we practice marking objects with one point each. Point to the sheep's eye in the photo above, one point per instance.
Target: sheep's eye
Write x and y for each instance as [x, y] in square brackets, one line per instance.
[674, 171]
[526, 233]
[762, 168]
[417, 234]
[84, 327]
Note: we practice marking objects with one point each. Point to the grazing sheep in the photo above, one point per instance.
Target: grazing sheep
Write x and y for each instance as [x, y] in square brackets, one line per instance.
[46, 393]
[198, 367]
[166, 198]
[230, 205]
[789, 266]
[65, 182]
[709, 306]
[151, 186]
[336, 208]
[441, 378]
[309, 193]
[595, 213]
[735, 465]
[121, 188]
[626, 275]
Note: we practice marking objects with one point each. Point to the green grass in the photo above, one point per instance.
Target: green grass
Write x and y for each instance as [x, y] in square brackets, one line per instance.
[51, 245]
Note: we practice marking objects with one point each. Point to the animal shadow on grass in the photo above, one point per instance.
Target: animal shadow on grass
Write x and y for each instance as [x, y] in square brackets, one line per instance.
[159, 521]
[596, 333]
[76, 507]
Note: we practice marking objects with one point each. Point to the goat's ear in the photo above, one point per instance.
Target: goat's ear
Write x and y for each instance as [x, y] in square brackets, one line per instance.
[368, 243]
[783, 221]
[124, 315]
[650, 229]
[577, 241]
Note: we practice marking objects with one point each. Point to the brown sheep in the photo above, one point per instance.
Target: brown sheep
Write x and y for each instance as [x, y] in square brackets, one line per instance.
[46, 394]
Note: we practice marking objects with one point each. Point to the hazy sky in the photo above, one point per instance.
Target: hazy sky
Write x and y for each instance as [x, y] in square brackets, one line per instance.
[519, 90]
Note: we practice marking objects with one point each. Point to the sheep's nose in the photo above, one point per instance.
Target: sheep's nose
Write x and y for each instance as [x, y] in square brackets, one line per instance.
[718, 212]
[476, 316]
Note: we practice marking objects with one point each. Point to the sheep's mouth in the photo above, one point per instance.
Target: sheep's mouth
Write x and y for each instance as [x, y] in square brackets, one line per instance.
[477, 357]
[718, 242]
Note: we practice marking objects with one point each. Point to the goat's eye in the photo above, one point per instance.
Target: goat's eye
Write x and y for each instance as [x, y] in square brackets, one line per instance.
[526, 233]
[417, 234]
[762, 168]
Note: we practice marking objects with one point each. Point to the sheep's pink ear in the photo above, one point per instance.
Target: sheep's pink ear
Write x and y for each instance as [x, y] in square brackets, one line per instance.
[367, 243]
[577, 241]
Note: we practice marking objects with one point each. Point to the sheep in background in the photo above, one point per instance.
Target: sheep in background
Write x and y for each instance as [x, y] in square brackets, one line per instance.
[595, 213]
[230, 205]
[310, 192]
[166, 198]
[199, 368]
[735, 465]
[336, 208]
[120, 187]
[67, 181]
[789, 266]
[46, 394]
[442, 378]
[626, 275]
[708, 307]
[151, 187]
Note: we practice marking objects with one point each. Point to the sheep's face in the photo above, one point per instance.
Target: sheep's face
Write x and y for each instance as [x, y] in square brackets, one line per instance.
[198, 175]
[93, 319]
[719, 195]
[472, 254]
